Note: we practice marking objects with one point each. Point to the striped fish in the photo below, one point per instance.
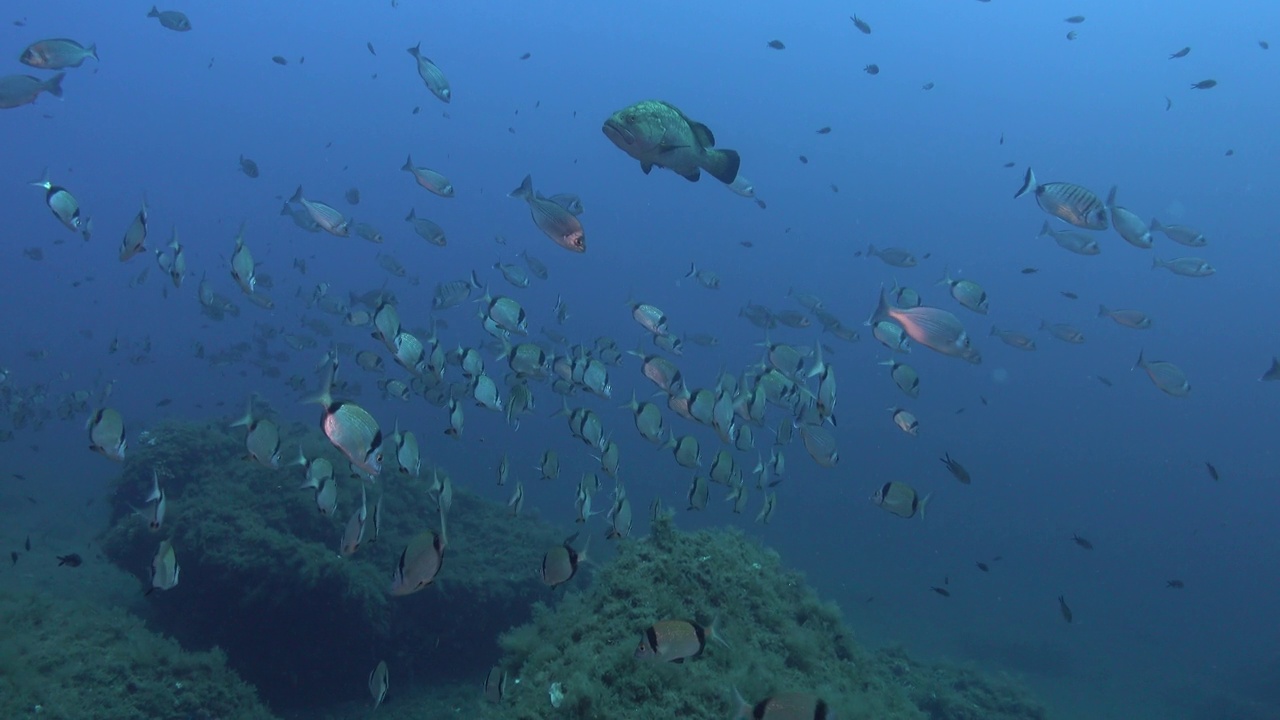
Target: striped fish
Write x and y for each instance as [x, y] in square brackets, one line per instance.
[1066, 201]
[329, 219]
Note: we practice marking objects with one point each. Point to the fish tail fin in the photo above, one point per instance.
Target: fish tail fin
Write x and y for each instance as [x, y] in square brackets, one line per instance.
[819, 367]
[1155, 263]
[300, 460]
[1103, 311]
[723, 165]
[1156, 226]
[1045, 230]
[693, 270]
[1111, 198]
[994, 331]
[324, 397]
[714, 633]
[525, 190]
[92, 50]
[413, 215]
[882, 309]
[247, 418]
[1142, 362]
[924, 501]
[43, 181]
[946, 276]
[297, 195]
[416, 50]
[284, 209]
[408, 164]
[155, 487]
[154, 12]
[53, 85]
[871, 250]
[743, 709]
[1028, 182]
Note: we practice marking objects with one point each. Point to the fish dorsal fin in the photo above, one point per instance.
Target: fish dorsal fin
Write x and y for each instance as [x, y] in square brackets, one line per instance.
[702, 133]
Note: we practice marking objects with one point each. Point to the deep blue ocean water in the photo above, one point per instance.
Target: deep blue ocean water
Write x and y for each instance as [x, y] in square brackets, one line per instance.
[1053, 451]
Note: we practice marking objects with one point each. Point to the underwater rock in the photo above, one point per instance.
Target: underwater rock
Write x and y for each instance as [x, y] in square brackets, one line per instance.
[262, 579]
[782, 639]
[76, 660]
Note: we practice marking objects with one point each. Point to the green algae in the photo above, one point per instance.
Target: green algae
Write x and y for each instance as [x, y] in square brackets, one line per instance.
[76, 660]
[261, 576]
[782, 636]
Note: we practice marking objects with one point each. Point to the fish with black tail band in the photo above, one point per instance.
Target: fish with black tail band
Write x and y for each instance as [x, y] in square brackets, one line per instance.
[1069, 202]
[900, 499]
[560, 564]
[675, 641]
[349, 427]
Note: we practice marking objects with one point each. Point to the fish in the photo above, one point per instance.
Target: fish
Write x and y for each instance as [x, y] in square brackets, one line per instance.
[420, 561]
[379, 681]
[1185, 266]
[1204, 85]
[941, 591]
[956, 469]
[107, 434]
[897, 257]
[18, 90]
[73, 560]
[1213, 473]
[1068, 295]
[325, 216]
[1127, 223]
[904, 376]
[983, 566]
[1273, 373]
[900, 499]
[871, 69]
[1175, 584]
[1180, 234]
[164, 568]
[776, 45]
[1013, 338]
[706, 278]
[783, 706]
[135, 236]
[687, 451]
[13, 558]
[60, 201]
[1062, 607]
[549, 466]
[930, 86]
[537, 267]
[1264, 44]
[352, 196]
[905, 421]
[1166, 376]
[350, 428]
[57, 54]
[1072, 35]
[861, 24]
[513, 274]
[279, 60]
[171, 19]
[1181, 53]
[263, 439]
[741, 185]
[1075, 19]
[426, 229]
[1063, 332]
[1068, 202]
[966, 292]
[1082, 542]
[353, 534]
[619, 517]
[157, 497]
[675, 641]
[934, 328]
[429, 179]
[495, 684]
[562, 226]
[1075, 242]
[516, 503]
[658, 134]
[431, 75]
[820, 443]
[560, 564]
[1134, 319]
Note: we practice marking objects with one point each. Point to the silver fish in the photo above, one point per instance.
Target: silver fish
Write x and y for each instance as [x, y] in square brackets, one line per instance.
[429, 179]
[431, 75]
[420, 562]
[1066, 201]
[57, 54]
[1063, 332]
[1135, 319]
[897, 257]
[18, 90]
[1013, 338]
[1180, 234]
[934, 328]
[107, 434]
[136, 236]
[350, 428]
[966, 292]
[379, 682]
[1166, 376]
[325, 216]
[552, 219]
[1127, 223]
[900, 499]
[61, 203]
[164, 568]
[1185, 266]
[1076, 242]
[426, 229]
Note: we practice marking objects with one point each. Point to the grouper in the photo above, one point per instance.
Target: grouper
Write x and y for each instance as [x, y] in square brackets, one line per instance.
[658, 133]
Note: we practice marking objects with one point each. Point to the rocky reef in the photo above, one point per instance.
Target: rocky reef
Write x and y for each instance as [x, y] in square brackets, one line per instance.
[70, 660]
[261, 576]
[575, 659]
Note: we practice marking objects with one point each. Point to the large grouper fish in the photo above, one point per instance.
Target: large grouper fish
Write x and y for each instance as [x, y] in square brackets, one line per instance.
[658, 133]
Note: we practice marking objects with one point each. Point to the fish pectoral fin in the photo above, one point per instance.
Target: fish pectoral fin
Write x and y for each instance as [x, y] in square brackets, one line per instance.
[702, 134]
[693, 175]
[646, 167]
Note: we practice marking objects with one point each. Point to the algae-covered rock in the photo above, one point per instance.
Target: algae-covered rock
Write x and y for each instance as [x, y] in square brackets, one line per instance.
[76, 660]
[261, 576]
[782, 638]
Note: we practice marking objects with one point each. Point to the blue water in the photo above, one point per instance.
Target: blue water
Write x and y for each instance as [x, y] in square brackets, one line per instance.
[1054, 452]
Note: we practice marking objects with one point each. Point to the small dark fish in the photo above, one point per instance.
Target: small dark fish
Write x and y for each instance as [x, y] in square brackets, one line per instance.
[1168, 103]
[371, 50]
[32, 500]
[1082, 542]
[1204, 85]
[72, 560]
[1273, 373]
[1229, 153]
[983, 566]
[1072, 35]
[1264, 44]
[861, 24]
[1103, 380]
[1213, 473]
[1066, 611]
[804, 160]
[13, 555]
[871, 69]
[761, 203]
[927, 86]
[1181, 53]
[746, 243]
[353, 196]
[1002, 138]
[165, 402]
[27, 545]
[279, 60]
[777, 45]
[824, 131]
[941, 591]
[417, 109]
[18, 476]
[1030, 270]
[956, 468]
[1068, 295]
[302, 59]
[526, 56]
[1075, 19]
[1009, 164]
[1175, 584]
[834, 188]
